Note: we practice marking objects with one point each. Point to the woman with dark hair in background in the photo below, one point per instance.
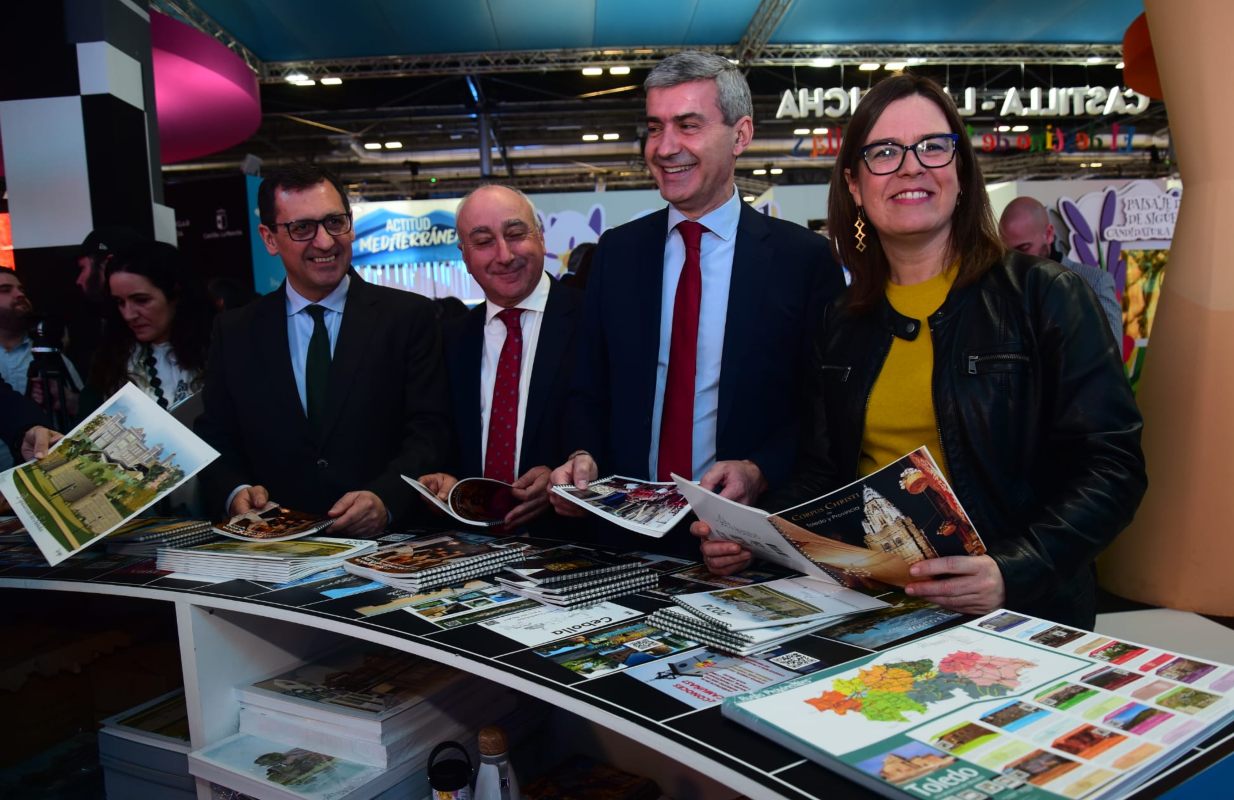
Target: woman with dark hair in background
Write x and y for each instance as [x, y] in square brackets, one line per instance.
[999, 362]
[158, 328]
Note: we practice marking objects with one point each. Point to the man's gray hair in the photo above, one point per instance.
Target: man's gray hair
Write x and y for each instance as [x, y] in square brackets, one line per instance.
[732, 91]
[458, 211]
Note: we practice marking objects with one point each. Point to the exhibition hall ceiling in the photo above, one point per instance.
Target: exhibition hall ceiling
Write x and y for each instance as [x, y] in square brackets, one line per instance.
[437, 77]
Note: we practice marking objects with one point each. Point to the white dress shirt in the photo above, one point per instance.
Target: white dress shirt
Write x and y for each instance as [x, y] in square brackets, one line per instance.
[716, 261]
[494, 338]
[300, 328]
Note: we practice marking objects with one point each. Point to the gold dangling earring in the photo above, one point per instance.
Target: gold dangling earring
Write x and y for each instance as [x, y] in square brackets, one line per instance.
[859, 229]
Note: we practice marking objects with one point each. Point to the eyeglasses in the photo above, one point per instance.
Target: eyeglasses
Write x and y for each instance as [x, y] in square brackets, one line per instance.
[934, 151]
[302, 230]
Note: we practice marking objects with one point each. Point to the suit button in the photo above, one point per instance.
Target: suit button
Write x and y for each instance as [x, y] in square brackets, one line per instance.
[322, 463]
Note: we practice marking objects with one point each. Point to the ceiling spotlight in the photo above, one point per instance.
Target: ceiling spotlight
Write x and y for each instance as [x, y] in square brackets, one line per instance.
[776, 171]
[1003, 128]
[913, 62]
[1119, 65]
[820, 131]
[591, 71]
[1095, 59]
[869, 67]
[331, 81]
[591, 137]
[1095, 164]
[612, 137]
[372, 145]
[1019, 128]
[1084, 165]
[305, 82]
[618, 70]
[822, 62]
[295, 76]
[801, 131]
[395, 145]
[895, 66]
[759, 171]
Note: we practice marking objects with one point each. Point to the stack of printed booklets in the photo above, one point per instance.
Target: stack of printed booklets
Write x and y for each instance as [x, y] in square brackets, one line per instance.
[145, 535]
[273, 562]
[1005, 706]
[747, 619]
[352, 723]
[435, 560]
[575, 576]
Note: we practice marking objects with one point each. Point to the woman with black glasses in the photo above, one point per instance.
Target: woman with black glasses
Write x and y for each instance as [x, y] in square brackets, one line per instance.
[999, 363]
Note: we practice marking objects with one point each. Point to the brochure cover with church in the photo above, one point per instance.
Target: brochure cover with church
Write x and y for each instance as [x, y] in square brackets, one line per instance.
[1005, 706]
[863, 535]
[120, 460]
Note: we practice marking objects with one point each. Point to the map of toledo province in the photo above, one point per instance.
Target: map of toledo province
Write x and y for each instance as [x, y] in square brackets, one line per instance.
[886, 692]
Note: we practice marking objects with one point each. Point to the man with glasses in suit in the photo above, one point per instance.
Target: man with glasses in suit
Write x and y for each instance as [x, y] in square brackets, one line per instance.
[320, 394]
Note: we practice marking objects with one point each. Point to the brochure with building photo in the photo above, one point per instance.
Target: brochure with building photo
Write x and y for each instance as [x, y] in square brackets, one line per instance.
[599, 652]
[984, 709]
[120, 460]
[780, 602]
[473, 501]
[648, 507]
[863, 535]
[704, 677]
[272, 523]
[544, 624]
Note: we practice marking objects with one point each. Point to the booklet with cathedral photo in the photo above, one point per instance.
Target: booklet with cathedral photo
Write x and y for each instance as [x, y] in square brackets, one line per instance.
[863, 535]
[473, 501]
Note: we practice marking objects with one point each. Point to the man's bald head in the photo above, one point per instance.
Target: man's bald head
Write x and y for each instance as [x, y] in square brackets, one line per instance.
[1025, 226]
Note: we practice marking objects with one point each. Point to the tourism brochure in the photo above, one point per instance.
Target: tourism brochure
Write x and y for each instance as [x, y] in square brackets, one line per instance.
[435, 560]
[1005, 703]
[780, 602]
[272, 562]
[903, 617]
[704, 677]
[163, 721]
[272, 523]
[648, 507]
[863, 535]
[437, 607]
[473, 501]
[543, 624]
[567, 564]
[593, 653]
[119, 461]
[741, 643]
[592, 592]
[143, 536]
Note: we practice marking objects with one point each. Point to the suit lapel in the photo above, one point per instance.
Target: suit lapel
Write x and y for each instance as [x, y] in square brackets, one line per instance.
[550, 351]
[351, 351]
[752, 263]
[468, 424]
[646, 291]
[270, 335]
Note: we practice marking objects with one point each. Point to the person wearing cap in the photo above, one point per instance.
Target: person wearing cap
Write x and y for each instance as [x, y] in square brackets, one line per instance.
[85, 324]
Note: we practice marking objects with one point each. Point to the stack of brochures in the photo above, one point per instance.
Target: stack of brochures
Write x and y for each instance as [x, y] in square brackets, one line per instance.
[353, 722]
[574, 576]
[145, 535]
[1004, 706]
[435, 560]
[747, 619]
[273, 562]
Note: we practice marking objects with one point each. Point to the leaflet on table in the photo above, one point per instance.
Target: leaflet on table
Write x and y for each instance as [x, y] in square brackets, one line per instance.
[647, 507]
[904, 617]
[865, 534]
[1004, 702]
[473, 501]
[117, 462]
[780, 602]
[592, 653]
[456, 601]
[272, 523]
[703, 677]
[542, 624]
[567, 564]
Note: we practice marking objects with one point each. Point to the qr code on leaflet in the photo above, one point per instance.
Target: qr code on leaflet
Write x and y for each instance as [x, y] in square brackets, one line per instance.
[643, 645]
[793, 660]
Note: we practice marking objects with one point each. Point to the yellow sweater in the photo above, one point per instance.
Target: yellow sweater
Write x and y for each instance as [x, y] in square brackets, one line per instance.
[900, 414]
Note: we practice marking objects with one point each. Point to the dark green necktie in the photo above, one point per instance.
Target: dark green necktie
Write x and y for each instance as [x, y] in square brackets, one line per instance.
[317, 368]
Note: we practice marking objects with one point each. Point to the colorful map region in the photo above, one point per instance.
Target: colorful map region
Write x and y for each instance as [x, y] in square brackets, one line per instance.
[886, 692]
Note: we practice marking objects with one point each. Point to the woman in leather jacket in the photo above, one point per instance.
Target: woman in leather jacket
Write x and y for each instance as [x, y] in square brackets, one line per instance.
[1000, 363]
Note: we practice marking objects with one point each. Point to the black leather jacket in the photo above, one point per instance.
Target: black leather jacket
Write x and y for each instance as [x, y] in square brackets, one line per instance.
[1039, 429]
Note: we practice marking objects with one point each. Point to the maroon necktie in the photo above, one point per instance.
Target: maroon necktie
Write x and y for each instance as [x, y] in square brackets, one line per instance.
[503, 413]
[677, 420]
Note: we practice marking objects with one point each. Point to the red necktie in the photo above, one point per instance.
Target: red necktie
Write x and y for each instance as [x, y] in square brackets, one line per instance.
[677, 420]
[503, 413]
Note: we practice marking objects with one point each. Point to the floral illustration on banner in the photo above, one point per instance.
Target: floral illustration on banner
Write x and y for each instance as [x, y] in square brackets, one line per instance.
[1126, 231]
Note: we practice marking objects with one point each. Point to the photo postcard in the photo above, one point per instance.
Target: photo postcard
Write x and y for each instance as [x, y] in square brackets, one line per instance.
[119, 461]
[648, 507]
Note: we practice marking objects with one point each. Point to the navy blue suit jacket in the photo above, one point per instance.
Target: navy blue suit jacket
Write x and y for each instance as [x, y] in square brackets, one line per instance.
[782, 273]
[543, 420]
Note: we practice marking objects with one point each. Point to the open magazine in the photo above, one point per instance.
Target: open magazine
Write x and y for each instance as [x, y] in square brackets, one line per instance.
[272, 523]
[473, 501]
[863, 535]
[647, 507]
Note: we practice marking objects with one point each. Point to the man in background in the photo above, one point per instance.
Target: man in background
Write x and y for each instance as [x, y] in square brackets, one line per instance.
[320, 394]
[510, 358]
[698, 317]
[1025, 226]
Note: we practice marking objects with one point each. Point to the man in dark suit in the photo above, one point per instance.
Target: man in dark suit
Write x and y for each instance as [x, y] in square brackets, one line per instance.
[697, 318]
[320, 394]
[510, 358]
